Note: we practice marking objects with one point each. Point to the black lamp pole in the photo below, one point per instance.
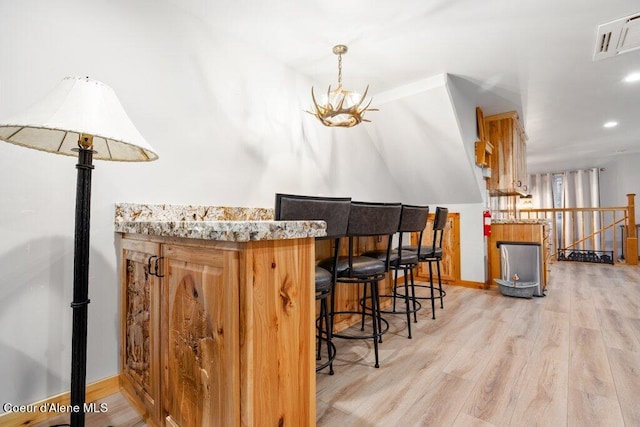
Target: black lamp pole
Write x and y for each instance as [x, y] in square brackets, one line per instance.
[81, 280]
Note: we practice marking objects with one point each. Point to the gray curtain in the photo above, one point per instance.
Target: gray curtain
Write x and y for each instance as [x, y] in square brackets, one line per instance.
[570, 189]
[541, 186]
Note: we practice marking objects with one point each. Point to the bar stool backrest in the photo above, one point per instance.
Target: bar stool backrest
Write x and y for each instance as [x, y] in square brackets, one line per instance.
[333, 210]
[412, 219]
[439, 223]
[373, 219]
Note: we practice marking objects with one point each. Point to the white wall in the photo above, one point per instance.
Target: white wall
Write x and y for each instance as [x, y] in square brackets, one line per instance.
[619, 178]
[473, 247]
[229, 126]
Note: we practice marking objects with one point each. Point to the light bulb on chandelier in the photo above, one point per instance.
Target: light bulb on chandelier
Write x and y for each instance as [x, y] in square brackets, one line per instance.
[339, 107]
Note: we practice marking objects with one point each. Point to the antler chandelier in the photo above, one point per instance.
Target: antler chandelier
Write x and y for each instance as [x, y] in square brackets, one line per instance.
[340, 107]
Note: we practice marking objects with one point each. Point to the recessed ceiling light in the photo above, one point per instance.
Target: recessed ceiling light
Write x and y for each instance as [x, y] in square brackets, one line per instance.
[610, 124]
[633, 77]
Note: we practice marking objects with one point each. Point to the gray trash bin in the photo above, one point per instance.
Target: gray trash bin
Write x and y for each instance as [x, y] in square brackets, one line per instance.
[520, 260]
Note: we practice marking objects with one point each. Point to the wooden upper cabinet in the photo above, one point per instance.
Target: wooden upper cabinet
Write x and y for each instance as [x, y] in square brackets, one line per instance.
[509, 159]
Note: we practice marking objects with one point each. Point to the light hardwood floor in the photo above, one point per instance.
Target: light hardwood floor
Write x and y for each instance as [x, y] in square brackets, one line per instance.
[569, 359]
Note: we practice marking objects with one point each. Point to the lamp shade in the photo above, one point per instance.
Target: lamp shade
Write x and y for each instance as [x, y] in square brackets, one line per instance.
[79, 105]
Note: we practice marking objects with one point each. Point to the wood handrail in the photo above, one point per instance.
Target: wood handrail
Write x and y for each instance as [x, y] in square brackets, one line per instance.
[571, 218]
[614, 208]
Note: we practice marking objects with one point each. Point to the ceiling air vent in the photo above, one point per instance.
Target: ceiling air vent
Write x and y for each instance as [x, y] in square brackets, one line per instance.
[617, 37]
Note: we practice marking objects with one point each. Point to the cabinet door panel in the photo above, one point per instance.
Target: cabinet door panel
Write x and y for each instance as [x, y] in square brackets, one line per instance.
[140, 325]
[508, 162]
[200, 328]
[521, 159]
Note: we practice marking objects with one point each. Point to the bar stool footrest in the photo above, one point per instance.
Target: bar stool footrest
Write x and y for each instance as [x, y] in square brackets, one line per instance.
[385, 327]
[330, 360]
[437, 293]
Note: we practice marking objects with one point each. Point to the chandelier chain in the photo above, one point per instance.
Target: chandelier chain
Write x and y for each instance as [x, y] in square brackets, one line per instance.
[340, 70]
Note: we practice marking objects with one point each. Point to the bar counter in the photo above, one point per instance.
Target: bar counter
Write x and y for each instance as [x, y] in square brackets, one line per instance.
[217, 315]
[232, 224]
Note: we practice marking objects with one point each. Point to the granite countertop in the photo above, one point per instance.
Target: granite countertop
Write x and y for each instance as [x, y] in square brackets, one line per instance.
[236, 224]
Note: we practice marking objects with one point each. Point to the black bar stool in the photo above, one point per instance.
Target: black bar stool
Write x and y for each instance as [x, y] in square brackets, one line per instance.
[335, 212]
[433, 254]
[365, 220]
[412, 219]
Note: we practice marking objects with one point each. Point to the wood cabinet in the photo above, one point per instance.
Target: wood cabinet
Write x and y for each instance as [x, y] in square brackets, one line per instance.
[509, 156]
[225, 335]
[517, 232]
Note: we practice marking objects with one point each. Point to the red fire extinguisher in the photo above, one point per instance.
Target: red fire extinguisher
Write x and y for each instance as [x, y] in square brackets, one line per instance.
[486, 216]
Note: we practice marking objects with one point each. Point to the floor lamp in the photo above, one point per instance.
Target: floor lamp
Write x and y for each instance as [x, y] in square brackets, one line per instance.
[80, 117]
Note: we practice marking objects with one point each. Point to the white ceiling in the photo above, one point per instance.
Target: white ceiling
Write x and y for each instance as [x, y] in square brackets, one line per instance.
[535, 55]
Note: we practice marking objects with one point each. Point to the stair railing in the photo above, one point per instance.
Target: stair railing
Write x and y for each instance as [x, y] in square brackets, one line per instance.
[591, 229]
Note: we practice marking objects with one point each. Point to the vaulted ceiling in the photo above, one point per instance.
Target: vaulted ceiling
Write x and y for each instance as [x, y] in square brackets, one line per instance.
[531, 56]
